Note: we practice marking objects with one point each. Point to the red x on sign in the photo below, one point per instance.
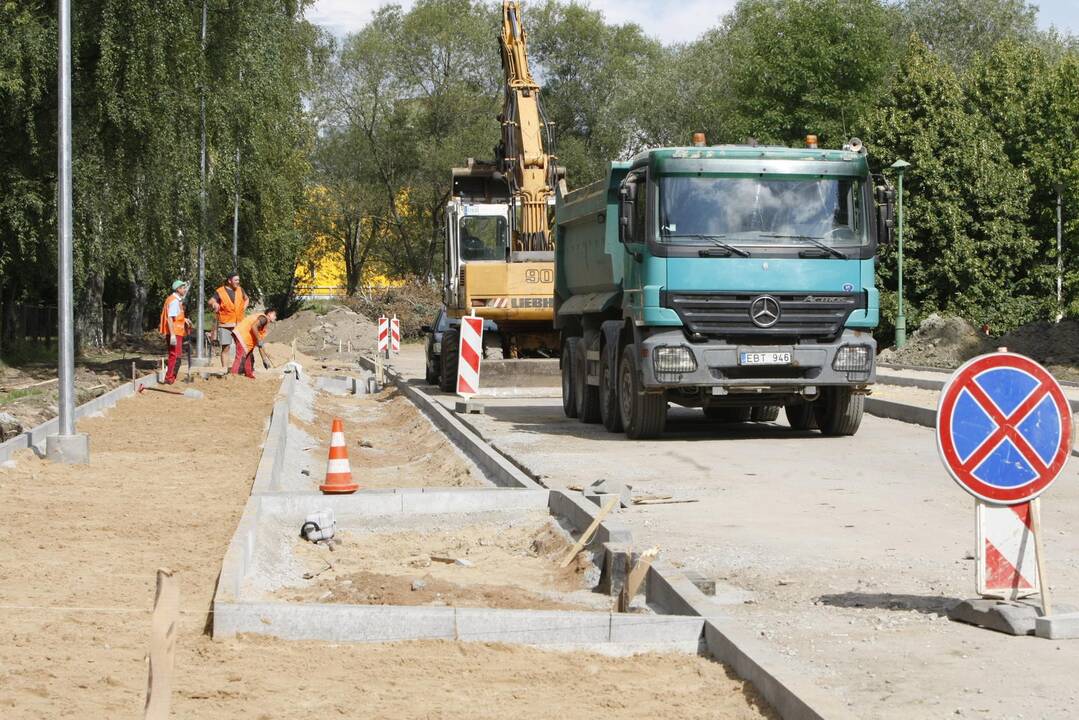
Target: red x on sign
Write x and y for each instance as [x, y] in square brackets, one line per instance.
[1003, 428]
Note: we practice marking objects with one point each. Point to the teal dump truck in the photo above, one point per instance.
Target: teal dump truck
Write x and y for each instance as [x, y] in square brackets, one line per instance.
[736, 279]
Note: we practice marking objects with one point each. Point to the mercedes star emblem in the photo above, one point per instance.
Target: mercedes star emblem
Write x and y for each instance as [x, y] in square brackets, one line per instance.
[764, 311]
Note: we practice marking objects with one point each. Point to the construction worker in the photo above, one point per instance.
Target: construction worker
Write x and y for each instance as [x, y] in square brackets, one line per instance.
[173, 326]
[248, 335]
[229, 302]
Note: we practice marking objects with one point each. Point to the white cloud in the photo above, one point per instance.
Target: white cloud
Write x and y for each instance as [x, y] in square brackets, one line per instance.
[665, 20]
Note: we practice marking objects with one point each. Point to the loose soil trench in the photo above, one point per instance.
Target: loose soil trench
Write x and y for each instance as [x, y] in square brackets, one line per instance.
[390, 443]
[79, 547]
[503, 563]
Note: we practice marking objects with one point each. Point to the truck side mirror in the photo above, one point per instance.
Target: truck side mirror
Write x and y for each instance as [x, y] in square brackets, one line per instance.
[628, 195]
[885, 215]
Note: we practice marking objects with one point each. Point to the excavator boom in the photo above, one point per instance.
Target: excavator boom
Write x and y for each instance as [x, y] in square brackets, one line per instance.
[525, 148]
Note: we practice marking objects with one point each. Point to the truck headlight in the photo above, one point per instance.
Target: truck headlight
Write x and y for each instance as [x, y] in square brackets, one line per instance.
[853, 358]
[673, 360]
[436, 348]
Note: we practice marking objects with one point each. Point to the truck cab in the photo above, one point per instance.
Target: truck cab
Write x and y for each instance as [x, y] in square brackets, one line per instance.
[741, 278]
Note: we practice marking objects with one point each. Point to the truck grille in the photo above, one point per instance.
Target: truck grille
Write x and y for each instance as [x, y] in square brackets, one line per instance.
[801, 315]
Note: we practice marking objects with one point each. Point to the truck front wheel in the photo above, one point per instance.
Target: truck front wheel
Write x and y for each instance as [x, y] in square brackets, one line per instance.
[587, 395]
[839, 411]
[447, 381]
[644, 415]
[569, 399]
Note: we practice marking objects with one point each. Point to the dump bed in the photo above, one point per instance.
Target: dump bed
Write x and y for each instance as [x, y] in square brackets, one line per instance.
[588, 256]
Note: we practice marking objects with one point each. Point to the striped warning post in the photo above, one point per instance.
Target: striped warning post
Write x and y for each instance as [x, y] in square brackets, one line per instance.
[383, 334]
[338, 469]
[470, 352]
[395, 334]
[1007, 566]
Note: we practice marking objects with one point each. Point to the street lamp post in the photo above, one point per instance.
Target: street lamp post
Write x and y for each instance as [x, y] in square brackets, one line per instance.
[1060, 252]
[66, 446]
[900, 167]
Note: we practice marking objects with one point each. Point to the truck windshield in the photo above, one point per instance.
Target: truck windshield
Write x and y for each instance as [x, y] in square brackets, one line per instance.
[763, 211]
[483, 237]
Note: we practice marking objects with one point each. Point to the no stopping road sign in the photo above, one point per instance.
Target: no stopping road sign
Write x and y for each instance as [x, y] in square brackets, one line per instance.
[1004, 428]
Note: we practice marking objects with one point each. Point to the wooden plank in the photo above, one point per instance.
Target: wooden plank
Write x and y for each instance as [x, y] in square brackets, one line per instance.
[163, 632]
[1039, 554]
[664, 501]
[636, 577]
[586, 537]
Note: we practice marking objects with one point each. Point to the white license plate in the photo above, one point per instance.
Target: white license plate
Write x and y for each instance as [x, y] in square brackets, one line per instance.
[764, 358]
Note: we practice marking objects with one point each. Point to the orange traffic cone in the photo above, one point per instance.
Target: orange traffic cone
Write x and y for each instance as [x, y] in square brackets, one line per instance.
[338, 470]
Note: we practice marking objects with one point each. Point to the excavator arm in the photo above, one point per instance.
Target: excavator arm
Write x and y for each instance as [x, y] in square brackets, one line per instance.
[524, 152]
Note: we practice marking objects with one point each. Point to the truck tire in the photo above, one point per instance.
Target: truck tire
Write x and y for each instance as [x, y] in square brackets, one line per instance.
[569, 398]
[609, 412]
[800, 417]
[587, 396]
[728, 414]
[644, 415]
[447, 381]
[764, 413]
[433, 376]
[839, 411]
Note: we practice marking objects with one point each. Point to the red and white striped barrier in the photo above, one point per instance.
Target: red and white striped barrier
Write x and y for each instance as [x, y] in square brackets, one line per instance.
[1007, 564]
[383, 334]
[395, 334]
[470, 351]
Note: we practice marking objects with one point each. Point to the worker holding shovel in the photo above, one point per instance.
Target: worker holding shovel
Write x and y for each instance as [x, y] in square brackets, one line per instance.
[249, 335]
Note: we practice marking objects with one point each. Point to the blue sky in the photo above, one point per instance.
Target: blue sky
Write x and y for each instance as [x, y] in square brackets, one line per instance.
[678, 20]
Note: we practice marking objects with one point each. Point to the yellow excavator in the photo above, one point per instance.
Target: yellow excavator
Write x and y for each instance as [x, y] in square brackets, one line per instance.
[499, 259]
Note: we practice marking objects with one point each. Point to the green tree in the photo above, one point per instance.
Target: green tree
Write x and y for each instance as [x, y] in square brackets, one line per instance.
[967, 249]
[798, 67]
[957, 30]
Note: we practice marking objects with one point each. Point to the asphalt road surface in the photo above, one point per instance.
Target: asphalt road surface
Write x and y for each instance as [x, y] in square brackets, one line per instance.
[842, 552]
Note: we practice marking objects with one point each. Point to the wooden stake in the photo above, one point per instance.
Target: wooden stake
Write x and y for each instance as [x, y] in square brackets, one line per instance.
[162, 646]
[293, 349]
[133, 373]
[586, 537]
[1039, 554]
[636, 577]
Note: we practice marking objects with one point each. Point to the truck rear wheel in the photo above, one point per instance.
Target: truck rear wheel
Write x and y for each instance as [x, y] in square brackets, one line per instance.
[764, 413]
[720, 413]
[800, 417]
[569, 399]
[587, 395]
[839, 411]
[609, 411]
[644, 415]
[447, 380]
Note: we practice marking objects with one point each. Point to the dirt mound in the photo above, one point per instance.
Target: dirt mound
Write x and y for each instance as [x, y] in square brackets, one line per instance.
[1055, 345]
[415, 305]
[943, 341]
[315, 333]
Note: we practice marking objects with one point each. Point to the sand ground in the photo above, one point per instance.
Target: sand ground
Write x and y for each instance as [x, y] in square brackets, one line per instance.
[79, 547]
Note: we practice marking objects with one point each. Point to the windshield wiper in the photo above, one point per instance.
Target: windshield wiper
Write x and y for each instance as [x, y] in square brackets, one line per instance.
[715, 240]
[814, 241]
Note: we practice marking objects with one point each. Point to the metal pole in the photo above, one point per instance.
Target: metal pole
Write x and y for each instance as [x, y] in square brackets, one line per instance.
[202, 196]
[1060, 254]
[66, 361]
[236, 204]
[236, 216]
[901, 318]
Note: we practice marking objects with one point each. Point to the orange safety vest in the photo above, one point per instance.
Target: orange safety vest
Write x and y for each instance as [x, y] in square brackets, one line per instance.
[179, 326]
[230, 312]
[248, 333]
